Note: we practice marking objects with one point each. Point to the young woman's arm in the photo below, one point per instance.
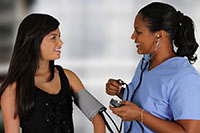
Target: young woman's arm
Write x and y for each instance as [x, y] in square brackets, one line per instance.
[99, 125]
[74, 81]
[11, 124]
[76, 85]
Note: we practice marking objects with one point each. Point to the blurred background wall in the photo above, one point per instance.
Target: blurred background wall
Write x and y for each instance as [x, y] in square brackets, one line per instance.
[96, 36]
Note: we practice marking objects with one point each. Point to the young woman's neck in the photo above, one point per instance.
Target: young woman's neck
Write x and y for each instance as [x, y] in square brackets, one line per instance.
[43, 72]
[43, 68]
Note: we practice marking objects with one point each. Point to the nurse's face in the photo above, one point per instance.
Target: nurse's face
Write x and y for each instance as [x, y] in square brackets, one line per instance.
[145, 40]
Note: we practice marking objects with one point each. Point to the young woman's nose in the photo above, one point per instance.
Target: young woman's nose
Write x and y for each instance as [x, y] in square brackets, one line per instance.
[60, 42]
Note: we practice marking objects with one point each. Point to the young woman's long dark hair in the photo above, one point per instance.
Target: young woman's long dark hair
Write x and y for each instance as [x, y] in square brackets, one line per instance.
[25, 61]
[161, 16]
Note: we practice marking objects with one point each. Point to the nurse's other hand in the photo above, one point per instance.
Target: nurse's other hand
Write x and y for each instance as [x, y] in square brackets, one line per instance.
[128, 112]
[113, 87]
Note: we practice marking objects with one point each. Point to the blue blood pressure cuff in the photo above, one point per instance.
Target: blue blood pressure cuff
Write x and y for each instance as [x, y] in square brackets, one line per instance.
[88, 104]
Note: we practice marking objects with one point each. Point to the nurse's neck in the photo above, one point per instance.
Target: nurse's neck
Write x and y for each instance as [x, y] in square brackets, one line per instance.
[163, 53]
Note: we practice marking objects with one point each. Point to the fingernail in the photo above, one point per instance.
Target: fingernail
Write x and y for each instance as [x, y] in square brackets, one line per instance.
[119, 91]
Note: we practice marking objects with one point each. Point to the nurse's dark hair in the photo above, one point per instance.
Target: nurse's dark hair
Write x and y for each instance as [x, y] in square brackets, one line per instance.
[25, 61]
[161, 16]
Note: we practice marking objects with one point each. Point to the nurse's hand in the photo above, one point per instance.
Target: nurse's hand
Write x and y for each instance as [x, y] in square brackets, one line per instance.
[113, 87]
[128, 112]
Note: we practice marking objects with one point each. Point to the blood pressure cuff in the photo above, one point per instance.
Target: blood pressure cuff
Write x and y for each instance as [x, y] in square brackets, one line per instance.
[88, 104]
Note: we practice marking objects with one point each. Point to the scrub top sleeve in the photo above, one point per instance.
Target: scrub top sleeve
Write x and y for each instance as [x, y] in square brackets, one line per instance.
[185, 97]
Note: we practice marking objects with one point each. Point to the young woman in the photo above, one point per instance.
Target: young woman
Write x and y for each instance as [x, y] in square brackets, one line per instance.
[36, 94]
[164, 93]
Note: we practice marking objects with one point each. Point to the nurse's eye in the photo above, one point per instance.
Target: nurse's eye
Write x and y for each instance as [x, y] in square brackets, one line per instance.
[138, 32]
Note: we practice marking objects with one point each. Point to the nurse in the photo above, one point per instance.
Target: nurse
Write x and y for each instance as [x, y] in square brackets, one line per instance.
[164, 93]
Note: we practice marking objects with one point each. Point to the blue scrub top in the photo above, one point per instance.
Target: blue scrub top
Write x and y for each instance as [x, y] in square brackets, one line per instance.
[170, 91]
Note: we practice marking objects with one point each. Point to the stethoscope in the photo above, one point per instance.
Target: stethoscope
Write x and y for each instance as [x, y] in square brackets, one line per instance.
[138, 85]
[124, 85]
[134, 92]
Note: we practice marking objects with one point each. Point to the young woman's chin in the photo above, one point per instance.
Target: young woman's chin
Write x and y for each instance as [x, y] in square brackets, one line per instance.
[56, 57]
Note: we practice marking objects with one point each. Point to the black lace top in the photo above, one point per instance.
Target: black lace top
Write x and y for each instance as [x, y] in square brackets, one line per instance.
[52, 113]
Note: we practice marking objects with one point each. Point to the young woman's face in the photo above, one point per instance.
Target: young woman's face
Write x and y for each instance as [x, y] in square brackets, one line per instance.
[144, 39]
[51, 45]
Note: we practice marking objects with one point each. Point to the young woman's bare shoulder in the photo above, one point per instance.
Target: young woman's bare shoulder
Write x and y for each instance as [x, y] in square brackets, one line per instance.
[9, 91]
[71, 75]
[8, 107]
[69, 72]
[74, 80]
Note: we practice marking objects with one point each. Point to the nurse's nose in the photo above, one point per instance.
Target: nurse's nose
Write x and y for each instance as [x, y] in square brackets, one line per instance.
[133, 36]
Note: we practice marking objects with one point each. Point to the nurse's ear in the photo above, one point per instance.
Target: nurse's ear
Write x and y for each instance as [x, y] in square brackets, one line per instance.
[158, 39]
[161, 35]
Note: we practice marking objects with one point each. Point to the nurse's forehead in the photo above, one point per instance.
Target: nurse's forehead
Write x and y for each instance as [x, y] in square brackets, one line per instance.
[139, 23]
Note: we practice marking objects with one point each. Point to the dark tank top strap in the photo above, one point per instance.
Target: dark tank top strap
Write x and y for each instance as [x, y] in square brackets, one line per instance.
[64, 79]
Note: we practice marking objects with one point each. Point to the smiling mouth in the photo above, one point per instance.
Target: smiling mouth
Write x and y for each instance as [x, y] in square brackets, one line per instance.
[138, 45]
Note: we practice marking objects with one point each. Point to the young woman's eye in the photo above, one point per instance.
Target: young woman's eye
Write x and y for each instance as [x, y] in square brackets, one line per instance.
[53, 38]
